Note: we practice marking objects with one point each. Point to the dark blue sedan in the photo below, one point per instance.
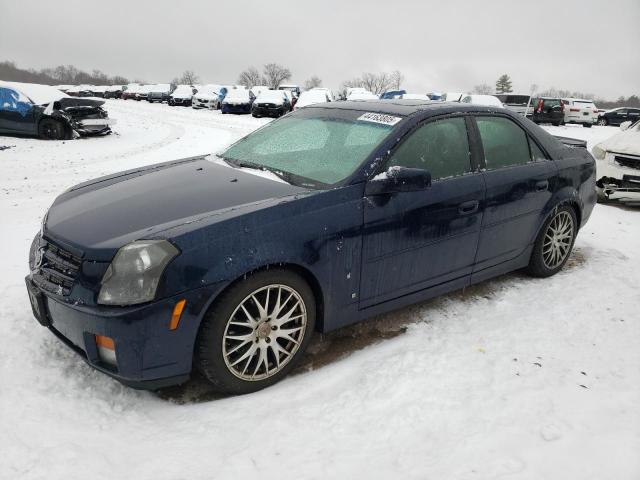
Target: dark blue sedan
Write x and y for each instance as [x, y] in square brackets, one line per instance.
[329, 215]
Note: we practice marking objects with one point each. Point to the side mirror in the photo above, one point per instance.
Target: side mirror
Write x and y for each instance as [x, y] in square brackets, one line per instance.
[625, 125]
[399, 179]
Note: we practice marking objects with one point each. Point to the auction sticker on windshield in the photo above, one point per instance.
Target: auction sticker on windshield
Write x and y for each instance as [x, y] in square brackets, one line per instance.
[379, 118]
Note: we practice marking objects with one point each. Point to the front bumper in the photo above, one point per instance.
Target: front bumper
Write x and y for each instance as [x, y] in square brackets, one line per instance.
[97, 122]
[148, 353]
[236, 107]
[268, 111]
[616, 180]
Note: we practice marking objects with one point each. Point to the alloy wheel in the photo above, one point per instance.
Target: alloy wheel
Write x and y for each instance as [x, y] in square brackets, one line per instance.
[558, 240]
[264, 332]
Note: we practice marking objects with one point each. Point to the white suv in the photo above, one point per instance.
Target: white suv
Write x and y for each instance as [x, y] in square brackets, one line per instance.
[577, 110]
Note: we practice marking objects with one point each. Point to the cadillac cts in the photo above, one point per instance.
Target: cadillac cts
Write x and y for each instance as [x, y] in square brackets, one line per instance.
[322, 218]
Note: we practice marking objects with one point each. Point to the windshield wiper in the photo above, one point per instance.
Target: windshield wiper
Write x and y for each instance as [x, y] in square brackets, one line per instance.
[286, 176]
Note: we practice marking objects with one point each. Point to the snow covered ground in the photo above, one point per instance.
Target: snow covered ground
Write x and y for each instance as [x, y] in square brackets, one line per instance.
[513, 378]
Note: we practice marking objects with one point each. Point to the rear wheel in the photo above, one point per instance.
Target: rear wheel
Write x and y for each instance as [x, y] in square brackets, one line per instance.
[554, 243]
[256, 332]
[50, 129]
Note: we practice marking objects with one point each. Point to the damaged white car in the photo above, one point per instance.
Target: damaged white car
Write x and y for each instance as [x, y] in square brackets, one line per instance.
[32, 109]
[618, 164]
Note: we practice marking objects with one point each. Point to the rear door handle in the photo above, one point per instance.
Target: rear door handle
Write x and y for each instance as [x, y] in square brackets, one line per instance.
[542, 186]
[467, 208]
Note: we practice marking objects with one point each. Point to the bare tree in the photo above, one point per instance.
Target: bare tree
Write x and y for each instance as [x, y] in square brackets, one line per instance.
[396, 79]
[251, 77]
[313, 82]
[483, 89]
[377, 82]
[189, 77]
[275, 74]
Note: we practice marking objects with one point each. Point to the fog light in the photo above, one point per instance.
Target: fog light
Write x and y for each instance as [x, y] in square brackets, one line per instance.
[106, 349]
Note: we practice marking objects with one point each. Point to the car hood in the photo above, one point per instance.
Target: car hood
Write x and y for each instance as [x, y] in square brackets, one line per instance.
[79, 102]
[207, 96]
[102, 215]
[624, 142]
[269, 102]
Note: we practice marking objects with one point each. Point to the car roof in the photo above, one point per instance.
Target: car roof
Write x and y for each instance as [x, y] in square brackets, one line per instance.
[406, 107]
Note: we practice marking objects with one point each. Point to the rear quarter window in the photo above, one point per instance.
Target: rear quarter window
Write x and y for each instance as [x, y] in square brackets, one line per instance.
[504, 143]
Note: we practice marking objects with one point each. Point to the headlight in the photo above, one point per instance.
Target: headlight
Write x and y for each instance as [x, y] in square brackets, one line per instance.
[598, 152]
[135, 271]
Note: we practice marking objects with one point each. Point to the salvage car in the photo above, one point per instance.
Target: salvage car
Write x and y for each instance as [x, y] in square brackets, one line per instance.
[209, 96]
[580, 111]
[618, 164]
[159, 93]
[182, 95]
[31, 109]
[129, 91]
[271, 103]
[546, 110]
[311, 97]
[113, 91]
[238, 100]
[142, 92]
[618, 116]
[322, 218]
[514, 102]
[486, 100]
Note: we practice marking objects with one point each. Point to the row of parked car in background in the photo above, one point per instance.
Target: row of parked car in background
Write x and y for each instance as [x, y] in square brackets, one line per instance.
[261, 101]
[49, 112]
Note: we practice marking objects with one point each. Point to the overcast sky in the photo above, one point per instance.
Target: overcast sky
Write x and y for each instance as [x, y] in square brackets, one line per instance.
[584, 45]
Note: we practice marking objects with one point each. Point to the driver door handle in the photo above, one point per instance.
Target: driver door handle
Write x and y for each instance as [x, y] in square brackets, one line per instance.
[467, 208]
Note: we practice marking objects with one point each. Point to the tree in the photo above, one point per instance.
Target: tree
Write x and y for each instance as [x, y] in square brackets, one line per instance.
[503, 84]
[483, 89]
[376, 82]
[275, 74]
[251, 77]
[313, 82]
[188, 77]
[396, 79]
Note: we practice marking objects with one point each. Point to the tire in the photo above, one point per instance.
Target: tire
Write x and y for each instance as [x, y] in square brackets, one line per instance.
[240, 359]
[556, 124]
[603, 122]
[543, 262]
[50, 129]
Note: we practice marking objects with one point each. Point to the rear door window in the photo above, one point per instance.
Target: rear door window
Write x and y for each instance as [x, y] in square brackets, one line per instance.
[504, 143]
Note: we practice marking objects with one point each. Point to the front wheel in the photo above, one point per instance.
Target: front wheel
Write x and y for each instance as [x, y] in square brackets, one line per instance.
[603, 122]
[554, 243]
[256, 332]
[50, 129]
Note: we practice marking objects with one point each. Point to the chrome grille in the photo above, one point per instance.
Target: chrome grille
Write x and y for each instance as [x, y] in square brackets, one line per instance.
[629, 162]
[55, 269]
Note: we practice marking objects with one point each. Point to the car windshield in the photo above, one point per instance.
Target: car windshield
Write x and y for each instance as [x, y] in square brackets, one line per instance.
[315, 147]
